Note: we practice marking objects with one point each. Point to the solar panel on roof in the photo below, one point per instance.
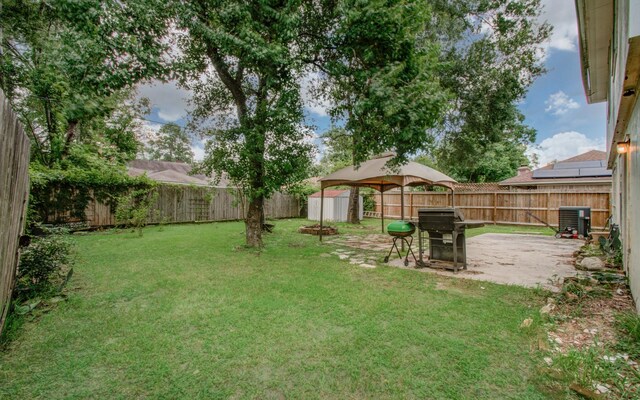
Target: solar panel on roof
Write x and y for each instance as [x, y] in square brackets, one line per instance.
[595, 172]
[555, 173]
[577, 164]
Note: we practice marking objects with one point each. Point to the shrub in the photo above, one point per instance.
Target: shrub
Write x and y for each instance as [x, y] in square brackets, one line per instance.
[134, 208]
[43, 265]
[368, 202]
[628, 327]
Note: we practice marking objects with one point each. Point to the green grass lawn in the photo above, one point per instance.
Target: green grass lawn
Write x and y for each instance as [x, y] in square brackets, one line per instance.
[188, 312]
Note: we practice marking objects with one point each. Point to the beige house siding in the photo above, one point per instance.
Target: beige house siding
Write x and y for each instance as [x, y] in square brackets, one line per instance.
[610, 35]
[626, 203]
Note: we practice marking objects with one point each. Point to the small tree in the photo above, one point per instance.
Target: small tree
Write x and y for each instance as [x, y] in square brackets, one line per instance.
[171, 144]
[134, 208]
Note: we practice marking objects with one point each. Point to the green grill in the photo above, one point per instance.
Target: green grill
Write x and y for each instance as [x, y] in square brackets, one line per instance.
[401, 228]
[403, 231]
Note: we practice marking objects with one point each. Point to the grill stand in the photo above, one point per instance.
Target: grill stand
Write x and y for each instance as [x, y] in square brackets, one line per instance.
[403, 240]
[458, 243]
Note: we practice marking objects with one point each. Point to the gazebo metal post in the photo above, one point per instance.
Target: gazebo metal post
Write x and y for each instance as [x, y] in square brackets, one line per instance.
[382, 206]
[321, 210]
[453, 199]
[402, 210]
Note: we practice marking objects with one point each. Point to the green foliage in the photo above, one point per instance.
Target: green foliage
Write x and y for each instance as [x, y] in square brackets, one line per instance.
[242, 61]
[368, 202]
[171, 144]
[612, 246]
[338, 151]
[301, 191]
[498, 161]
[43, 264]
[134, 208]
[628, 327]
[381, 76]
[490, 55]
[68, 67]
[588, 367]
[71, 184]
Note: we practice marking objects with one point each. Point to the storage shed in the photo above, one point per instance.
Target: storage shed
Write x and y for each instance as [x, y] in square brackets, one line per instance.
[336, 206]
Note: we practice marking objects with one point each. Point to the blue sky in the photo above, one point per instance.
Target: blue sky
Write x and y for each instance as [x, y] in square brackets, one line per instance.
[555, 104]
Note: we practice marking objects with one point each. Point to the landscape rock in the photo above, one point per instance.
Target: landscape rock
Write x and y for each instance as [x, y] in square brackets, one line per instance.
[591, 264]
[526, 323]
[547, 308]
[364, 265]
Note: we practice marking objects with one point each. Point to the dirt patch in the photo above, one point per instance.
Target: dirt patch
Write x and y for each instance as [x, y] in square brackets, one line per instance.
[595, 323]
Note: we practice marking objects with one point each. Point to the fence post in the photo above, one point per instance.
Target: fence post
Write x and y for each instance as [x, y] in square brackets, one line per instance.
[495, 206]
[547, 207]
[410, 205]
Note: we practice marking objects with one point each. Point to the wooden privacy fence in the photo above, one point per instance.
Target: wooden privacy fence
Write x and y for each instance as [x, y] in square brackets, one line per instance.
[181, 203]
[503, 207]
[14, 191]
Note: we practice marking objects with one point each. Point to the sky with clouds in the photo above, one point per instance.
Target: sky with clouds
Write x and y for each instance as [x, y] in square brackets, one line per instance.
[555, 105]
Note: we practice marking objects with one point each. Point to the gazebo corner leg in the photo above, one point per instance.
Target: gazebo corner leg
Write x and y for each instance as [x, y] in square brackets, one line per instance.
[321, 210]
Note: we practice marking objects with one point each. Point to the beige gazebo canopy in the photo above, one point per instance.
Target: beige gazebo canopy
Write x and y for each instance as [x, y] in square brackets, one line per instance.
[375, 174]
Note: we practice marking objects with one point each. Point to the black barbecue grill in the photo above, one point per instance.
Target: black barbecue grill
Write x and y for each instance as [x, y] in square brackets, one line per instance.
[442, 230]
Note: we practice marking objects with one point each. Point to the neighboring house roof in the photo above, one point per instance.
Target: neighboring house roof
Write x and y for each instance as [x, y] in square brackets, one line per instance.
[332, 193]
[170, 172]
[589, 167]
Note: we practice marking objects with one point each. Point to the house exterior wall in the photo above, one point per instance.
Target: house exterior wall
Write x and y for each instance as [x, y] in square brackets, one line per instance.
[626, 177]
[626, 203]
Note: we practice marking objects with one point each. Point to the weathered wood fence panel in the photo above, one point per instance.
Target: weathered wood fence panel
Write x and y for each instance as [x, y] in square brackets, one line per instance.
[14, 192]
[176, 203]
[503, 207]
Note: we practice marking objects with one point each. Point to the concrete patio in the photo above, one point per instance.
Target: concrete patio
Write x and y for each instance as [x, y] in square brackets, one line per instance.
[513, 259]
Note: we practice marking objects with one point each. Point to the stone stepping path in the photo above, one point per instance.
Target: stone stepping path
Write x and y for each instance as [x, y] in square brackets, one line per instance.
[356, 258]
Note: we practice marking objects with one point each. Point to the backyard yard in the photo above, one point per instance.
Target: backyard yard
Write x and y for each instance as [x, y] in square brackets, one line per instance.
[188, 312]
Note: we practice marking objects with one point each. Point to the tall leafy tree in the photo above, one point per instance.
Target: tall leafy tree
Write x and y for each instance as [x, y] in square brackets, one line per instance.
[338, 150]
[68, 66]
[243, 61]
[491, 53]
[381, 77]
[171, 144]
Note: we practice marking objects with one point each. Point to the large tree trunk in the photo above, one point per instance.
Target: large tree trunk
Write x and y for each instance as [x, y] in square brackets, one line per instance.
[253, 222]
[353, 212]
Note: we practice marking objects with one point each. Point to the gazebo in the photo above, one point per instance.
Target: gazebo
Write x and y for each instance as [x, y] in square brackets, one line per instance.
[376, 174]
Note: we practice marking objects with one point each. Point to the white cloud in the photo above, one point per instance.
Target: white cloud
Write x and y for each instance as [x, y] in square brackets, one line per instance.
[559, 103]
[562, 16]
[198, 152]
[168, 98]
[563, 145]
[313, 102]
